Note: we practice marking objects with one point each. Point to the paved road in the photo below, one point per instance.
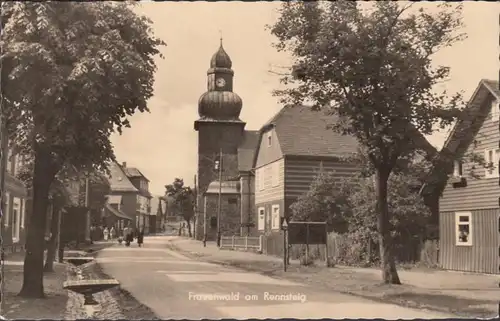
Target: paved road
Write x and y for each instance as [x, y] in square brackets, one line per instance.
[177, 287]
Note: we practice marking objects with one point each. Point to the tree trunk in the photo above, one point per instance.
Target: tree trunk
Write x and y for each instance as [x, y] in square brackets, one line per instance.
[33, 260]
[188, 225]
[55, 229]
[389, 272]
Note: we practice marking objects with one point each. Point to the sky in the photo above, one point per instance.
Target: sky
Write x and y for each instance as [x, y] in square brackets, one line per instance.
[163, 142]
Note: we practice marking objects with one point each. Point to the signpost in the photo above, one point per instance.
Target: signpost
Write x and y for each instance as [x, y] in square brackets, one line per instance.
[284, 227]
[308, 233]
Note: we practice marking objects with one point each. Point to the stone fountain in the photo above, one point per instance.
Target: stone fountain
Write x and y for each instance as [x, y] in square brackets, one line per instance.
[87, 287]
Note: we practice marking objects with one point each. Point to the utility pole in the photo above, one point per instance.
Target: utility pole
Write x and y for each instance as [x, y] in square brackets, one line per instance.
[219, 203]
[87, 215]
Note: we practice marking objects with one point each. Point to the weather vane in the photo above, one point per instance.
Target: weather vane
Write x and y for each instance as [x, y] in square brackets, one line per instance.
[220, 32]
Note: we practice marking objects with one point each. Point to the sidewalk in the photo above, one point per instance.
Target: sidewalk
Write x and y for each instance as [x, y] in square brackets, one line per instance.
[15, 307]
[464, 294]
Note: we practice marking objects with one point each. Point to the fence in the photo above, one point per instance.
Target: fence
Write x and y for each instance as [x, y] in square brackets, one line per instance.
[241, 243]
[350, 252]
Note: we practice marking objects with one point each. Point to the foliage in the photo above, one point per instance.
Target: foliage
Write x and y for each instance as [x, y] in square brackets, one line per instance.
[352, 201]
[370, 65]
[182, 197]
[72, 72]
[322, 202]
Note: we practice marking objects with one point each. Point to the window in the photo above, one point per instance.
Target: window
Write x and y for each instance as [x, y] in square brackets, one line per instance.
[16, 212]
[491, 160]
[213, 222]
[275, 177]
[457, 169]
[232, 201]
[262, 219]
[463, 228]
[269, 139]
[275, 222]
[7, 209]
[23, 212]
[260, 179]
[9, 161]
[495, 111]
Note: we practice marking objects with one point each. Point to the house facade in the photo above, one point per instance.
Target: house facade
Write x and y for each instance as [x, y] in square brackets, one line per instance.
[294, 145]
[124, 195]
[14, 205]
[469, 206]
[144, 219]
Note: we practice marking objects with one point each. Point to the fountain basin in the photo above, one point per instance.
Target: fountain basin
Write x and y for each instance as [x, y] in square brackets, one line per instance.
[89, 287]
[79, 260]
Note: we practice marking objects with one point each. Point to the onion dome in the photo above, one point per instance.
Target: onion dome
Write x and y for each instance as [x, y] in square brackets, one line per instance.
[221, 59]
[220, 105]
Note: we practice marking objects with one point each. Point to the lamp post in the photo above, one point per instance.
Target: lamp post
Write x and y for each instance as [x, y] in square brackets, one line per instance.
[218, 166]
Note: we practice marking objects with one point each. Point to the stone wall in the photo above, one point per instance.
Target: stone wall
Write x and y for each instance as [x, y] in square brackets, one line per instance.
[229, 217]
[211, 138]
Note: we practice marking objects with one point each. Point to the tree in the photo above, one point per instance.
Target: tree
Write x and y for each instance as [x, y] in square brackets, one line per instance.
[71, 74]
[371, 69]
[183, 201]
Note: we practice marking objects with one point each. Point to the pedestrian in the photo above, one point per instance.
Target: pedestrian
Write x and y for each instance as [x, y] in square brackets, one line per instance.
[140, 238]
[127, 234]
[105, 233]
[112, 232]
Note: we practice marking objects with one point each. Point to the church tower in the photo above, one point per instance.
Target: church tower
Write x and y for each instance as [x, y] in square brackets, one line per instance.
[219, 126]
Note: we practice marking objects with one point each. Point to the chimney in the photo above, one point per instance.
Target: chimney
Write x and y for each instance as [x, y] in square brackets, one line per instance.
[124, 164]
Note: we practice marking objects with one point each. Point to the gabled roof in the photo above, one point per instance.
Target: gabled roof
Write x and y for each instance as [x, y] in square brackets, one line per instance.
[460, 138]
[134, 172]
[118, 179]
[247, 150]
[304, 132]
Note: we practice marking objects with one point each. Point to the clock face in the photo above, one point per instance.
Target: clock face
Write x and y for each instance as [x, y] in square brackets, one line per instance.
[220, 82]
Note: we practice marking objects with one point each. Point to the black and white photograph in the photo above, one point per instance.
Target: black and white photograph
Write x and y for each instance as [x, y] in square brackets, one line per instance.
[249, 160]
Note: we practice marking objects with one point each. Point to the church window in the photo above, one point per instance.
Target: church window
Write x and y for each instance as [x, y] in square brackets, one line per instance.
[269, 139]
[262, 219]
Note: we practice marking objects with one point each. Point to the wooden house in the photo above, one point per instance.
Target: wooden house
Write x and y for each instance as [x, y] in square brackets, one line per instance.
[469, 206]
[293, 146]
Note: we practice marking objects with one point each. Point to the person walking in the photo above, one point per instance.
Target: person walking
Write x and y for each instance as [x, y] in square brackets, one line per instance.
[106, 233]
[127, 234]
[140, 237]
[112, 233]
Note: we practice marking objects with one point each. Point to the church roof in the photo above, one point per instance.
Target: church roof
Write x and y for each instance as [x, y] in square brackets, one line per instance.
[302, 131]
[247, 149]
[221, 59]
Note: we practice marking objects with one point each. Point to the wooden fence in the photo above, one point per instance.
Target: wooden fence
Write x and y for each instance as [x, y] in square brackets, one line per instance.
[346, 251]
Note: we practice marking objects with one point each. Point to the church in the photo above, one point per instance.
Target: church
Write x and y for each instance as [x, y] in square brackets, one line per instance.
[257, 175]
[223, 141]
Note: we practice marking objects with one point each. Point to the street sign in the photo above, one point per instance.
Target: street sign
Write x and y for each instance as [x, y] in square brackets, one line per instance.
[284, 224]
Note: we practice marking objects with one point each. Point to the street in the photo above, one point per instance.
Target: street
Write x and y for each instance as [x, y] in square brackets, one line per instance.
[177, 287]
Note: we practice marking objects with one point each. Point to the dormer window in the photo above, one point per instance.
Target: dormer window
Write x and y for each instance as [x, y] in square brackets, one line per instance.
[269, 140]
[495, 111]
[457, 169]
